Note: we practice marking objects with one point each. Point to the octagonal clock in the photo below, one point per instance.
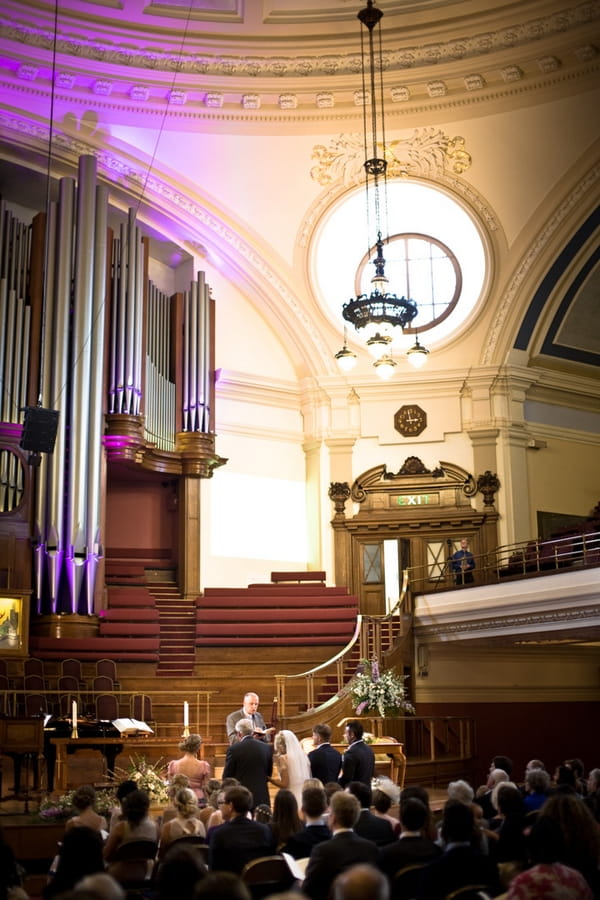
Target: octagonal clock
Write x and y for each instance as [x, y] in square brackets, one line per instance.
[410, 420]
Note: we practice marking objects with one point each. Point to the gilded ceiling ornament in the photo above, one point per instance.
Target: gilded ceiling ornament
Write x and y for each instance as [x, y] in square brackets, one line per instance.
[427, 152]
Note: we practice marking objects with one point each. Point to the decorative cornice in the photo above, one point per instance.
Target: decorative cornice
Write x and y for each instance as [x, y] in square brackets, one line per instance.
[193, 60]
[514, 624]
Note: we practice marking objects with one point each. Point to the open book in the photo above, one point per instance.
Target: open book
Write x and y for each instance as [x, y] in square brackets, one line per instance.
[131, 726]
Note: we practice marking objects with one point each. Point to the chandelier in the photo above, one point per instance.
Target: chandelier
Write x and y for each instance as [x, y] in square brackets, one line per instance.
[380, 315]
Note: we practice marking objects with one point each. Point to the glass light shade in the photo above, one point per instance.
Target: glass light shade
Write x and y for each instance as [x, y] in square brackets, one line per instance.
[346, 359]
[385, 367]
[379, 345]
[417, 355]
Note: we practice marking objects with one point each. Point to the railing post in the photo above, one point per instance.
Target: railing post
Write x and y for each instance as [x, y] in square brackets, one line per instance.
[431, 740]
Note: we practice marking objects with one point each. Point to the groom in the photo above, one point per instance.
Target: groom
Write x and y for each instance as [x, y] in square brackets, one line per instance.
[251, 762]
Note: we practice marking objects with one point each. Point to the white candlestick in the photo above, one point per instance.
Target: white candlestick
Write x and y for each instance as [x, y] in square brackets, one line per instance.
[74, 715]
[186, 714]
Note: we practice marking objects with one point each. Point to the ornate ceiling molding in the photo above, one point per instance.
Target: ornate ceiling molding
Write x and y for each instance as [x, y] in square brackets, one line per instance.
[149, 54]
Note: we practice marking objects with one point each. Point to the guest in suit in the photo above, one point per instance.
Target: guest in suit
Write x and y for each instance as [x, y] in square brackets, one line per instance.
[370, 826]
[315, 830]
[240, 839]
[250, 711]
[343, 850]
[414, 845]
[325, 761]
[462, 862]
[358, 762]
[250, 761]
[359, 882]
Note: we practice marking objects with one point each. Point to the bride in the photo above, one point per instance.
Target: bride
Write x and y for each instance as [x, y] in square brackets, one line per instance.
[292, 764]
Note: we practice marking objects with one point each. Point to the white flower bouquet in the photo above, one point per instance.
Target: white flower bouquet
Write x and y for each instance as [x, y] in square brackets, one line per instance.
[380, 693]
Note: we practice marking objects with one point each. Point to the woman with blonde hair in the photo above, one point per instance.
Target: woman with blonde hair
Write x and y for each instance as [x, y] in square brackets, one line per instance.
[292, 764]
[197, 770]
[186, 821]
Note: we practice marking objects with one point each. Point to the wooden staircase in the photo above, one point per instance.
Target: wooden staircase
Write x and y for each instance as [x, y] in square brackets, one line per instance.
[177, 622]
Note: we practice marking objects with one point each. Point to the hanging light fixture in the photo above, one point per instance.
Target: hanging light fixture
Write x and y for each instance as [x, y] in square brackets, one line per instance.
[379, 315]
[346, 358]
[417, 355]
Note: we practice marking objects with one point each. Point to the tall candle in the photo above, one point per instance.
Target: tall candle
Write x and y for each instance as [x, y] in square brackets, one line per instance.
[186, 714]
[74, 714]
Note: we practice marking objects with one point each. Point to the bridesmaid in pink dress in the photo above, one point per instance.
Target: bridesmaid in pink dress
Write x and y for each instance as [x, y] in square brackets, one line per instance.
[197, 770]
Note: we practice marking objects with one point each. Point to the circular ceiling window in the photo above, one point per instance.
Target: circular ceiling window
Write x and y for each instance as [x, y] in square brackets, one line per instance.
[435, 255]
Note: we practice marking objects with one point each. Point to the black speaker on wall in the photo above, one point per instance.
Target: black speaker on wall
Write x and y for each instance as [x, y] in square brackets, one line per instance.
[39, 429]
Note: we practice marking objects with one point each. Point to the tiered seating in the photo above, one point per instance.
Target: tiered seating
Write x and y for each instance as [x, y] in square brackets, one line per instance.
[276, 614]
[128, 630]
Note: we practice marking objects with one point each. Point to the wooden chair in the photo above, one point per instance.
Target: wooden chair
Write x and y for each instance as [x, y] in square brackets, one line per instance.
[108, 667]
[267, 875]
[195, 841]
[73, 668]
[6, 696]
[33, 666]
[469, 892]
[102, 683]
[406, 881]
[107, 708]
[141, 709]
[35, 705]
[131, 860]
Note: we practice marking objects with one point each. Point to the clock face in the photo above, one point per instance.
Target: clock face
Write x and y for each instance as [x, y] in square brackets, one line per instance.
[410, 420]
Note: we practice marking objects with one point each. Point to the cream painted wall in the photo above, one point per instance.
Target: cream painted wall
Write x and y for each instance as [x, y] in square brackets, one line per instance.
[564, 477]
[519, 674]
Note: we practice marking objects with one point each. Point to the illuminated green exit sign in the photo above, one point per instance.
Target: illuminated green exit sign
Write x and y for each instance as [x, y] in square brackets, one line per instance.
[417, 499]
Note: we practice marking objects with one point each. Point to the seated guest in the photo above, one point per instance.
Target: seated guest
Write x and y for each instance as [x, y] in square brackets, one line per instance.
[197, 770]
[462, 862]
[417, 792]
[483, 795]
[185, 823]
[547, 877]
[285, 820]
[537, 789]
[102, 885]
[83, 802]
[222, 886]
[10, 875]
[135, 826]
[341, 851]
[239, 839]
[80, 855]
[414, 845]
[507, 843]
[124, 788]
[592, 797]
[315, 829]
[370, 826]
[170, 811]
[180, 870]
[359, 882]
[386, 795]
[578, 836]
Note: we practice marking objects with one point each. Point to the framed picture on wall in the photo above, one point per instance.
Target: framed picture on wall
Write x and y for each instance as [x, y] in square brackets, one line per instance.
[14, 623]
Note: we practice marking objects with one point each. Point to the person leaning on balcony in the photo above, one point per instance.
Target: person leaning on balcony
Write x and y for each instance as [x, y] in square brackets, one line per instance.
[463, 563]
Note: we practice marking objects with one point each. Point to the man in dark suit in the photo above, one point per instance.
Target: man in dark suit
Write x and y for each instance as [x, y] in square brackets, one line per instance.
[250, 761]
[343, 850]
[370, 826]
[314, 807]
[462, 862]
[414, 846]
[240, 839]
[325, 761]
[358, 762]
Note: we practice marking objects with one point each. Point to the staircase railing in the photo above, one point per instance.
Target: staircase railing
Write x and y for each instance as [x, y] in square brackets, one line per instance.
[374, 637]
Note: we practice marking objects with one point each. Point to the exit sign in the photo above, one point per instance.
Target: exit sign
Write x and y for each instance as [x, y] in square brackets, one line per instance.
[417, 499]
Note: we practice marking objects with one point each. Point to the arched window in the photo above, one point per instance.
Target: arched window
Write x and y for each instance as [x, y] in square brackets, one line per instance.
[436, 255]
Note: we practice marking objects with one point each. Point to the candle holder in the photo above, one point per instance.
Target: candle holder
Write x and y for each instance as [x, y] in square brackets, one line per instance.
[186, 731]
[74, 733]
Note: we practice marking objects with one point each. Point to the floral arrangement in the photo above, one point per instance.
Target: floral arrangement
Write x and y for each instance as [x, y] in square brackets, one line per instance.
[382, 693]
[53, 808]
[148, 778]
